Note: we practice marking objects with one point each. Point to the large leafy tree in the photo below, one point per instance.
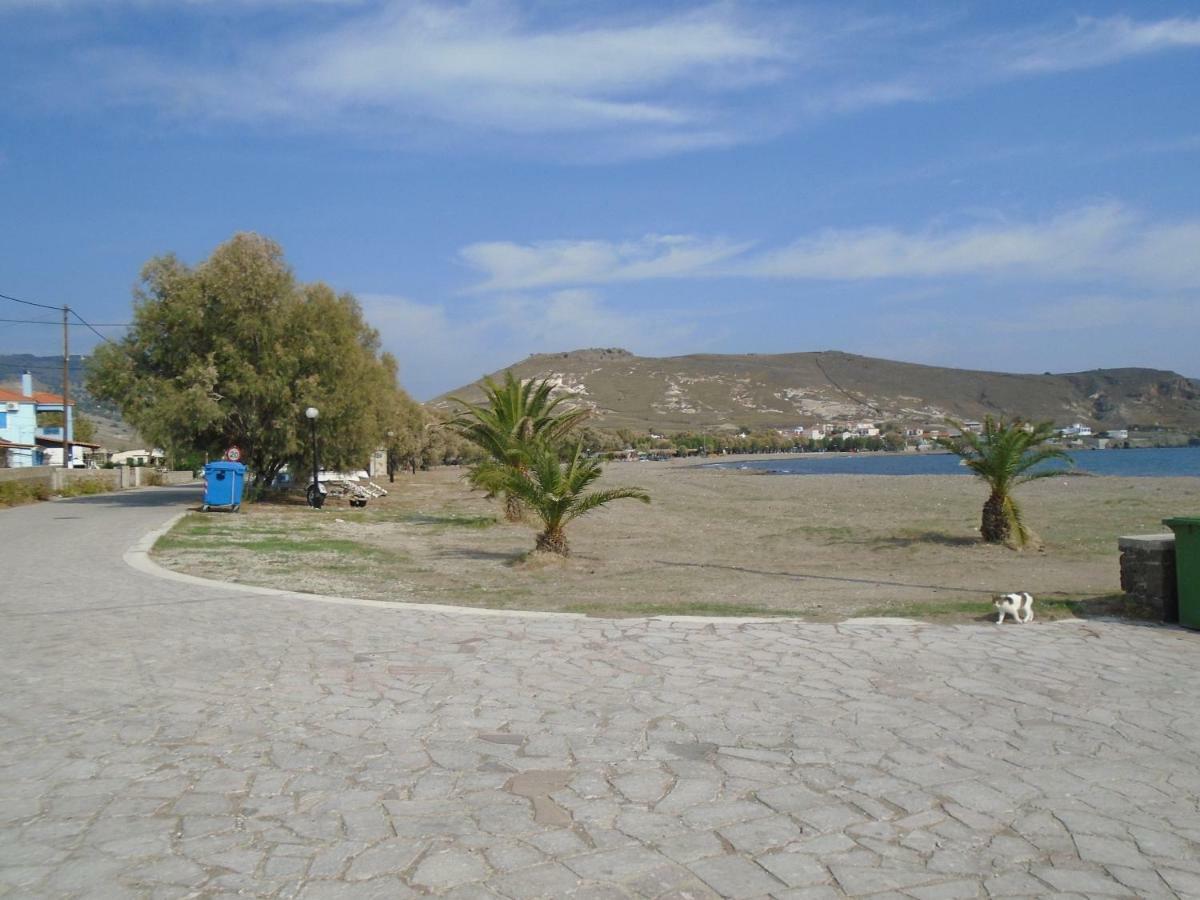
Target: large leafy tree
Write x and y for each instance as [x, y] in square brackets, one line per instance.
[556, 492]
[1005, 455]
[514, 418]
[231, 352]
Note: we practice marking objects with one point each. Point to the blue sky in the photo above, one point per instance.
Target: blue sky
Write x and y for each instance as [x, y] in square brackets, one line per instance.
[1010, 186]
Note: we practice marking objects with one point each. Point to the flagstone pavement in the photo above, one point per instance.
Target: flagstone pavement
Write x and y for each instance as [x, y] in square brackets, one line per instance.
[163, 739]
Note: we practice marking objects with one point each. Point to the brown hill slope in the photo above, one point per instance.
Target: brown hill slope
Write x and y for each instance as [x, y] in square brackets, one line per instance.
[708, 391]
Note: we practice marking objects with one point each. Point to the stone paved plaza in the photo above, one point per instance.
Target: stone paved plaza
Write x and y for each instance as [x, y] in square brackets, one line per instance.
[167, 739]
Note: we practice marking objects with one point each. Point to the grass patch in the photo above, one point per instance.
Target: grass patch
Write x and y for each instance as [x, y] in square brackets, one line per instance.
[837, 533]
[321, 545]
[1046, 608]
[184, 542]
[85, 487]
[15, 493]
[693, 608]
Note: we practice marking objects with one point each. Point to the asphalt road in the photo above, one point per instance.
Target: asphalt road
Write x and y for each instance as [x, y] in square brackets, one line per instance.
[164, 739]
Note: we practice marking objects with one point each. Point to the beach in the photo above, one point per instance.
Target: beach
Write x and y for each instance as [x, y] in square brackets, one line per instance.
[712, 542]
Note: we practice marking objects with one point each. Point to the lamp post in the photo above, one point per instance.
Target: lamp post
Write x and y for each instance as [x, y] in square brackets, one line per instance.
[315, 498]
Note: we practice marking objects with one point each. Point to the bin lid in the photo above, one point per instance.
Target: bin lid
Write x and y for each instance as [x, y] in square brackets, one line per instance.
[224, 466]
[1193, 521]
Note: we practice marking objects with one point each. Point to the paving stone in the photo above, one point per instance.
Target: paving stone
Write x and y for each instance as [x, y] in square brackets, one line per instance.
[795, 869]
[439, 871]
[197, 738]
[387, 857]
[614, 865]
[549, 880]
[735, 877]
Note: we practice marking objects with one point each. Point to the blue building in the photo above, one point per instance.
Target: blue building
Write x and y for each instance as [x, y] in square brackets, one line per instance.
[22, 442]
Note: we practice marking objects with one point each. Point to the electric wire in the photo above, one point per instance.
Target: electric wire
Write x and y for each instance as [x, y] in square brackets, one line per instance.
[92, 329]
[29, 302]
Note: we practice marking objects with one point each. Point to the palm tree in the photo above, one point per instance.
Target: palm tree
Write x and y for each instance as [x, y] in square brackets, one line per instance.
[1005, 455]
[513, 417]
[554, 491]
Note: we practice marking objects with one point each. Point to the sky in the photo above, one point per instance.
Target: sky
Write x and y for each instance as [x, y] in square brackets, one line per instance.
[1007, 186]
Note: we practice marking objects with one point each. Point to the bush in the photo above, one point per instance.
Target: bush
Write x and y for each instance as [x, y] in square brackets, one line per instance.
[84, 487]
[14, 493]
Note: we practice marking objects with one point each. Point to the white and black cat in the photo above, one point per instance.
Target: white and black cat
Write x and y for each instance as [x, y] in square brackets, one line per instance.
[1019, 605]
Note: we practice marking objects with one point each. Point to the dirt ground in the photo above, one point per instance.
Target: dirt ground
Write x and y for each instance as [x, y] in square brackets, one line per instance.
[712, 542]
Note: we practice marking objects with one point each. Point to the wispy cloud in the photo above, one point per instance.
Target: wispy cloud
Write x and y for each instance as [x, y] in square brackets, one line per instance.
[476, 67]
[601, 83]
[509, 266]
[1095, 42]
[1098, 241]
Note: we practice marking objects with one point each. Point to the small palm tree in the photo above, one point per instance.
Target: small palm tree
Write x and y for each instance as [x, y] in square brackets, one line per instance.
[1005, 455]
[514, 416]
[554, 492]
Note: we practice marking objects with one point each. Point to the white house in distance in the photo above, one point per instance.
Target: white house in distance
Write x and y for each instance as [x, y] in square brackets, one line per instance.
[22, 442]
[153, 456]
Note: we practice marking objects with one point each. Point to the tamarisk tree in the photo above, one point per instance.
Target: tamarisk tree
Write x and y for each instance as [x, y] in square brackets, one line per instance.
[232, 350]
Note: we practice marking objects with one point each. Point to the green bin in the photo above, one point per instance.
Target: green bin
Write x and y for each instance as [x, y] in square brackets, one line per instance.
[1187, 567]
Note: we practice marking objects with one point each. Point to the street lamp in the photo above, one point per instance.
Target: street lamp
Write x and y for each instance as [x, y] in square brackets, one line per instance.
[315, 497]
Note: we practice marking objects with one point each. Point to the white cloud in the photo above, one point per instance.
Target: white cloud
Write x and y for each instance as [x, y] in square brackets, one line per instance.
[1067, 245]
[477, 66]
[511, 266]
[603, 85]
[1100, 241]
[1096, 42]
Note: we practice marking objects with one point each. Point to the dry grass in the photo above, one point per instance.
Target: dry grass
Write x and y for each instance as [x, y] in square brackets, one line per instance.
[712, 542]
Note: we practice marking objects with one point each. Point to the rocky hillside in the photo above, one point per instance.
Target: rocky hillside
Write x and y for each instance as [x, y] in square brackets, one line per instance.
[710, 391]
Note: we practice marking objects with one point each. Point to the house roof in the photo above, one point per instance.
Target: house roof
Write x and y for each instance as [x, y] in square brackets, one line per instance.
[45, 441]
[7, 396]
[6, 444]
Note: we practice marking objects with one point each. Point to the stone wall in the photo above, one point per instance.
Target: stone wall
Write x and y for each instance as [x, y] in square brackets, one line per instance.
[1148, 573]
[56, 477]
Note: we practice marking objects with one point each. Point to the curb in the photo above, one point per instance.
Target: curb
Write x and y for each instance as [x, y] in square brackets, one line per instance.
[138, 557]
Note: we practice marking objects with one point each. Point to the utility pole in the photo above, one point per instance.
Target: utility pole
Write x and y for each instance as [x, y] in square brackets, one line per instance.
[66, 392]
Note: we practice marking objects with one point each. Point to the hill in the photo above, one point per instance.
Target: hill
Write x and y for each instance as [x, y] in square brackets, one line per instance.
[111, 430]
[711, 391]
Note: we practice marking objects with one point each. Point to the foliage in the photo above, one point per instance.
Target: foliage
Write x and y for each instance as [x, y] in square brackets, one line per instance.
[84, 487]
[232, 351]
[416, 439]
[14, 493]
[554, 491]
[1005, 455]
[515, 417]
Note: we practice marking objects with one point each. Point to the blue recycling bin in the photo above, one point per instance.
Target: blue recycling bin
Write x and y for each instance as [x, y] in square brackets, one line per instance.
[223, 485]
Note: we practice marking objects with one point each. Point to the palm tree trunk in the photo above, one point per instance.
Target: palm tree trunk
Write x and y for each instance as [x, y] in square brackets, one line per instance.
[996, 527]
[553, 541]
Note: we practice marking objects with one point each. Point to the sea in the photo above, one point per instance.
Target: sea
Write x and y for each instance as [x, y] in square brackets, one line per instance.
[1156, 462]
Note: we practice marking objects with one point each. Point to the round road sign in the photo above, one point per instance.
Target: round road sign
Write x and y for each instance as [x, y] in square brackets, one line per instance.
[233, 454]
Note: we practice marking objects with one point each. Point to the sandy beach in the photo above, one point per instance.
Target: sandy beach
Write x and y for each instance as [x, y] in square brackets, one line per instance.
[712, 542]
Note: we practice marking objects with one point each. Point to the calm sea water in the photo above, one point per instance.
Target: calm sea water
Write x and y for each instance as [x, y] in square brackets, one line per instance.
[1150, 462]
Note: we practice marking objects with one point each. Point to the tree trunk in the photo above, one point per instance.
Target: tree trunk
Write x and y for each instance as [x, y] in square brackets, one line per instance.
[513, 510]
[995, 528]
[553, 542]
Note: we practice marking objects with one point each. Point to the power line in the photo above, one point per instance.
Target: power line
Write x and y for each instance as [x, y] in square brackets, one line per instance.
[71, 324]
[92, 329]
[29, 302]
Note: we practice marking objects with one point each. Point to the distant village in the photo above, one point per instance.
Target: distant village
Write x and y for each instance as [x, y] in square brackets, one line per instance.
[35, 425]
